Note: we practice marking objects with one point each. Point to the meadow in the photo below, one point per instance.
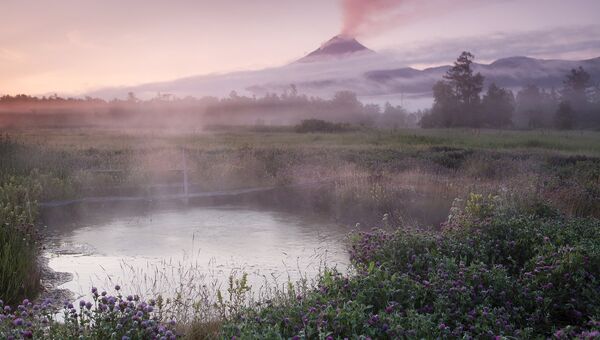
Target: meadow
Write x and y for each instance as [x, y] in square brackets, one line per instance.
[478, 233]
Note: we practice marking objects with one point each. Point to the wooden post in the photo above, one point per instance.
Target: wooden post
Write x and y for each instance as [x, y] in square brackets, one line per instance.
[185, 175]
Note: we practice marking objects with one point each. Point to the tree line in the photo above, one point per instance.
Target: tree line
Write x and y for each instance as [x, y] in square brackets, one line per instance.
[288, 107]
[459, 102]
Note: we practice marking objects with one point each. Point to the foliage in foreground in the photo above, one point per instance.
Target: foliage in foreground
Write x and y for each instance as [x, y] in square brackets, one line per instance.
[535, 275]
[104, 317]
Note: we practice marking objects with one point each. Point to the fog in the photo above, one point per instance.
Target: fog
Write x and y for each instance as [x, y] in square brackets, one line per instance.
[169, 111]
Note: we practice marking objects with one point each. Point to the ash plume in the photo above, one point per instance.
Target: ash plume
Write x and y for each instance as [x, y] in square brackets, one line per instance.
[363, 17]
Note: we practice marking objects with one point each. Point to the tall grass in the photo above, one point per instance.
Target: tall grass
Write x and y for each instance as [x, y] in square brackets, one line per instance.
[19, 275]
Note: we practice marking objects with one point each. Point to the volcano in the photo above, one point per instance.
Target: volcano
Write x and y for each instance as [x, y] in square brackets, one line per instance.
[336, 47]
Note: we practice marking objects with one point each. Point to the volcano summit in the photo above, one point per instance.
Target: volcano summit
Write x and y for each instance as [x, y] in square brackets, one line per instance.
[336, 47]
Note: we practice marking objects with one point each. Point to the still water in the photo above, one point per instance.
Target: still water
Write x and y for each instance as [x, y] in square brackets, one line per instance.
[153, 250]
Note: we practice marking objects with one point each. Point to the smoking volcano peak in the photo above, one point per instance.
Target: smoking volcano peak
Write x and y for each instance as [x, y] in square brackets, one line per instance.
[338, 46]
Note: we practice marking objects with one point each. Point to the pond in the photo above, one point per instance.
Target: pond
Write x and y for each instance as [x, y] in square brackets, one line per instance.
[154, 249]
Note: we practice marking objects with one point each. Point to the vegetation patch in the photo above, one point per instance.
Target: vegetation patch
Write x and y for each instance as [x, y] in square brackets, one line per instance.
[485, 275]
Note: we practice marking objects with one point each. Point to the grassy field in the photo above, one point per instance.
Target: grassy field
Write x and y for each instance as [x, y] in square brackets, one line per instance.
[578, 142]
[483, 185]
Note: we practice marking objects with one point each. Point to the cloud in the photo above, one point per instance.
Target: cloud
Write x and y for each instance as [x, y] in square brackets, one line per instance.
[560, 42]
[11, 55]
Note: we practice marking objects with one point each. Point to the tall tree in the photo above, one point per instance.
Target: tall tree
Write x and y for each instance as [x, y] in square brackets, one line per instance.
[565, 117]
[575, 88]
[456, 100]
[498, 107]
[392, 116]
[467, 87]
[535, 107]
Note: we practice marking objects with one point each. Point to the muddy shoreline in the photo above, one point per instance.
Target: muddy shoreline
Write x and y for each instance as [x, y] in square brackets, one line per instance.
[50, 280]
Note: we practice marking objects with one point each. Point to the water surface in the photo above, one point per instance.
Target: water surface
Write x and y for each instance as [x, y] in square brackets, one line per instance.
[151, 249]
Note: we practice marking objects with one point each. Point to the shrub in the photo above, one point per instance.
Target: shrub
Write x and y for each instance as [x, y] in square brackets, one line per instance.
[318, 125]
[448, 157]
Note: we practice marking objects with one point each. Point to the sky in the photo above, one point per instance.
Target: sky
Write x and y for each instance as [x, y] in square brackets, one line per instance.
[76, 46]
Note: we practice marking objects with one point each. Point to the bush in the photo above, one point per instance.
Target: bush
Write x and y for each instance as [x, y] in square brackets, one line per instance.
[451, 158]
[317, 125]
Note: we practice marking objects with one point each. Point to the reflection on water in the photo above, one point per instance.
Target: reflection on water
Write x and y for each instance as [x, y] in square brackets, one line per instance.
[154, 249]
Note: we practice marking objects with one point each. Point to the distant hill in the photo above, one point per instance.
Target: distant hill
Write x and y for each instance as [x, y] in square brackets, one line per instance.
[512, 72]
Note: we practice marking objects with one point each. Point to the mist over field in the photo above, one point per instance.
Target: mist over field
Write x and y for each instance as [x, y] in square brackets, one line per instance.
[349, 169]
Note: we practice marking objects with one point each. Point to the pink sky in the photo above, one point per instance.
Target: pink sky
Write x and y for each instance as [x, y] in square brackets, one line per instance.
[73, 46]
